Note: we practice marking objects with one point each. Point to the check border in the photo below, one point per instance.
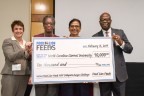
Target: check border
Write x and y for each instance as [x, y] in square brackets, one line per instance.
[71, 80]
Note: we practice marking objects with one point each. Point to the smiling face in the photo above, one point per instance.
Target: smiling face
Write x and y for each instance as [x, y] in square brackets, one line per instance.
[74, 29]
[18, 31]
[17, 27]
[105, 21]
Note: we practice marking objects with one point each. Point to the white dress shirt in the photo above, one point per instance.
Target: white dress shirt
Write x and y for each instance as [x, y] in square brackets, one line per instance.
[110, 35]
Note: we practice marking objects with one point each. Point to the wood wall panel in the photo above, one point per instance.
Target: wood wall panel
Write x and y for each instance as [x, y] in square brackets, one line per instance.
[39, 9]
[37, 28]
[41, 3]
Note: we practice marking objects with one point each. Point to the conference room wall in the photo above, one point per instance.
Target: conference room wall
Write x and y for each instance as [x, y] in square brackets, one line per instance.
[11, 10]
[126, 15]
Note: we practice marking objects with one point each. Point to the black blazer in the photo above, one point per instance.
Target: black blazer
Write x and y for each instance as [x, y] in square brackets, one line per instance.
[120, 65]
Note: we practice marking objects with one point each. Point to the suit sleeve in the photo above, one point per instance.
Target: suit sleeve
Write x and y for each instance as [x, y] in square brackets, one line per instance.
[11, 53]
[127, 47]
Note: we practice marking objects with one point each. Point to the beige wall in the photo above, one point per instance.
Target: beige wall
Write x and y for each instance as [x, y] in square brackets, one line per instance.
[11, 10]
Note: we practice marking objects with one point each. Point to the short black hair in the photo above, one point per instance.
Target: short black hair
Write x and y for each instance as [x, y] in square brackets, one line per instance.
[103, 14]
[48, 16]
[74, 19]
[17, 22]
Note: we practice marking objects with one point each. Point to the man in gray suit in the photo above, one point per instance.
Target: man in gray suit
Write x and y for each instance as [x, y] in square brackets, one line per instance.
[121, 44]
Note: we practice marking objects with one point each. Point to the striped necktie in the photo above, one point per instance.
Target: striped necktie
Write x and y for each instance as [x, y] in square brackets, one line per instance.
[107, 34]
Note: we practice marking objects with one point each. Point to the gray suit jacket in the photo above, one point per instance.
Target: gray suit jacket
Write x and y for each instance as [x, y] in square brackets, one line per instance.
[14, 54]
[120, 65]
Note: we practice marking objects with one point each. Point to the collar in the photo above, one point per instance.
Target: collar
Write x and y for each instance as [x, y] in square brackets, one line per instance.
[13, 38]
[22, 45]
[109, 30]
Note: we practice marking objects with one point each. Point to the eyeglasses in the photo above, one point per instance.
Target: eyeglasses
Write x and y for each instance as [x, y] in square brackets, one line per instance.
[105, 20]
[76, 26]
[47, 23]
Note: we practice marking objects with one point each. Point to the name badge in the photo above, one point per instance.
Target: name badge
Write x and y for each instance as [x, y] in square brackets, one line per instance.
[16, 67]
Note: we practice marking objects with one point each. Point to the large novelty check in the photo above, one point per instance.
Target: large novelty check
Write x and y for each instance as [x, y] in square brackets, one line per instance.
[72, 60]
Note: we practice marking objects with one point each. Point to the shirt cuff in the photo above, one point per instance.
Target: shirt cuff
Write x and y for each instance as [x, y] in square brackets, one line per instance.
[122, 46]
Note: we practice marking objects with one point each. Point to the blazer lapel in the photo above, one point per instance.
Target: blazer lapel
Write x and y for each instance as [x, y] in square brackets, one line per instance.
[100, 33]
[16, 43]
[112, 31]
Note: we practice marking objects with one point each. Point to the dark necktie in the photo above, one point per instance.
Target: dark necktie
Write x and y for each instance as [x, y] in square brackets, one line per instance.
[107, 34]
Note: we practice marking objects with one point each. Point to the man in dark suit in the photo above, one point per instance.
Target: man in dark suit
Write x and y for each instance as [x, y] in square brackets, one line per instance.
[47, 89]
[121, 44]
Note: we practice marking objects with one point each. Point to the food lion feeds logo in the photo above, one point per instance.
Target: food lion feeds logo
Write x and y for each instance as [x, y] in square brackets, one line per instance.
[47, 45]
